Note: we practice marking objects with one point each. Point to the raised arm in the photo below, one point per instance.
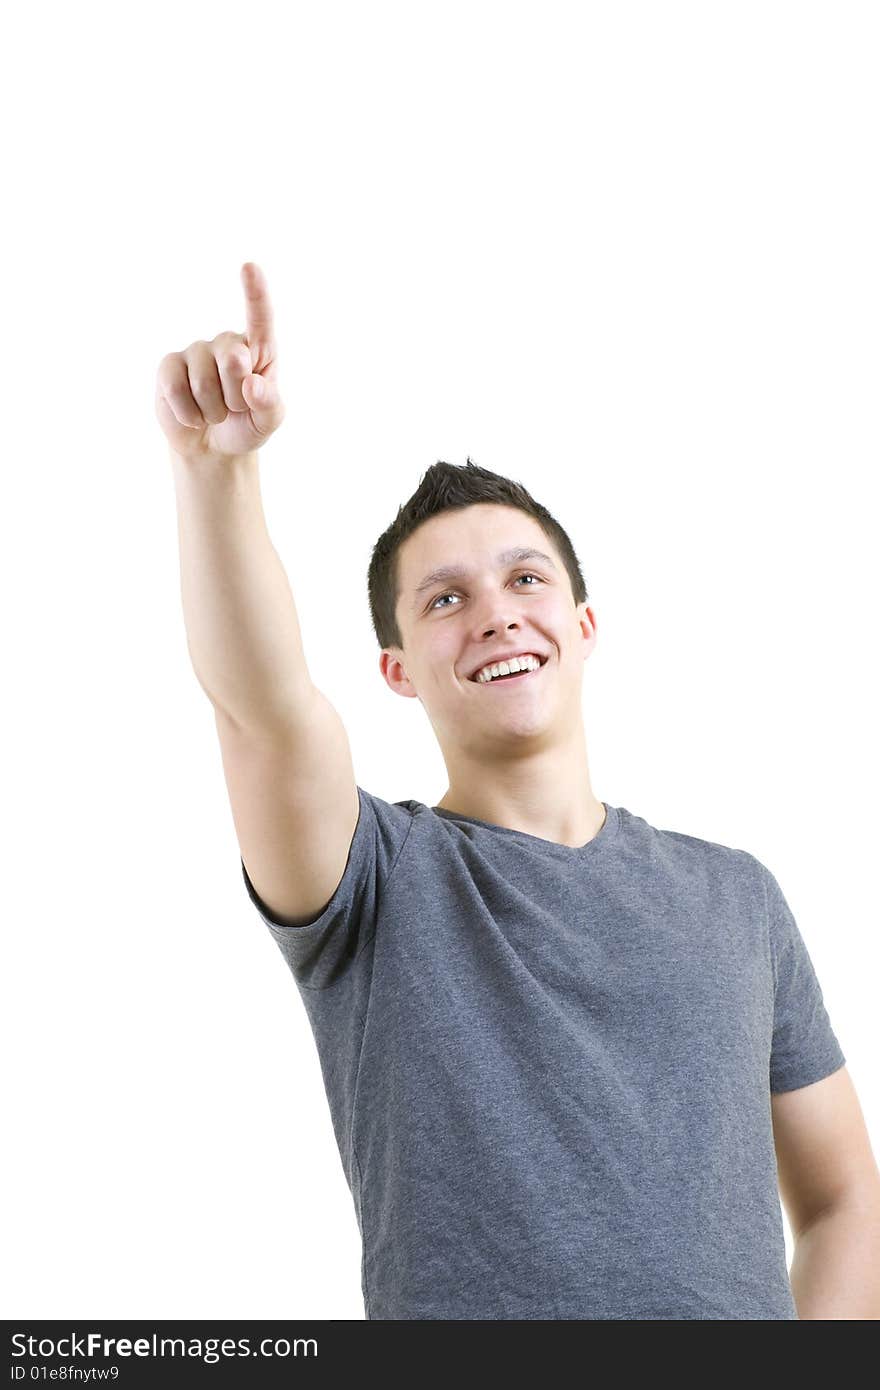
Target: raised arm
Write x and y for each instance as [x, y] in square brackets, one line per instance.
[286, 754]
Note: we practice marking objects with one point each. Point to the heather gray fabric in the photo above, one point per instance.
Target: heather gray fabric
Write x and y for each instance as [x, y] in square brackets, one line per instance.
[549, 1069]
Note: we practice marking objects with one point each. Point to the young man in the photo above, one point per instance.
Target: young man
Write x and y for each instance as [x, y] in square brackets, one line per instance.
[572, 1059]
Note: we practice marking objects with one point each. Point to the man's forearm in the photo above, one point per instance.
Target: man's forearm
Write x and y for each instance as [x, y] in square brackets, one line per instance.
[835, 1269]
[242, 626]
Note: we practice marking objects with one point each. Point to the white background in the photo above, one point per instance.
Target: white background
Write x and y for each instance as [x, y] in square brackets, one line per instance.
[623, 253]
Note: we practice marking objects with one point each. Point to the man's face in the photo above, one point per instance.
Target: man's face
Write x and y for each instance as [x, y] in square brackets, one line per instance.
[456, 624]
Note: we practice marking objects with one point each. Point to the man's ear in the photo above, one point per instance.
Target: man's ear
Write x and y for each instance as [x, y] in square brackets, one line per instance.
[587, 620]
[393, 667]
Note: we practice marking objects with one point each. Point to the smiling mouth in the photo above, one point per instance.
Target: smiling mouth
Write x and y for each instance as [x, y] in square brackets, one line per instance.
[511, 679]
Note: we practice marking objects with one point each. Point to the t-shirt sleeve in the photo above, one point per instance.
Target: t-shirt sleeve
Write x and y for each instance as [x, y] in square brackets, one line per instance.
[805, 1047]
[319, 951]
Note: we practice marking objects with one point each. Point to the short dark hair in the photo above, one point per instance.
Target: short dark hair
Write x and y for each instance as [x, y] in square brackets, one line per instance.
[443, 488]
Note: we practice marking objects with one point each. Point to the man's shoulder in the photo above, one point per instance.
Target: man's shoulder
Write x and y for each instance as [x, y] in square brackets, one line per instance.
[687, 847]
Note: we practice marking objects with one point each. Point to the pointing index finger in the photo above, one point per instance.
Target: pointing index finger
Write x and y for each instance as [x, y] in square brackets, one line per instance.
[260, 324]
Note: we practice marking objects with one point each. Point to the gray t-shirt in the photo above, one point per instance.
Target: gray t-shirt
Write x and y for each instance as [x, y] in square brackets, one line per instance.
[549, 1068]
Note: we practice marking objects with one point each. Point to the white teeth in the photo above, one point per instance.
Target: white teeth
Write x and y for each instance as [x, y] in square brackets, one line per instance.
[504, 668]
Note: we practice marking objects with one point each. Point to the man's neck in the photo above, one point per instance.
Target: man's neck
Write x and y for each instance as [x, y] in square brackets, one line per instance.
[539, 812]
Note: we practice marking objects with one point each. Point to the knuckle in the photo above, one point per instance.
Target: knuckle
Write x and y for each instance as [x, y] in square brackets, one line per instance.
[225, 344]
[235, 363]
[176, 389]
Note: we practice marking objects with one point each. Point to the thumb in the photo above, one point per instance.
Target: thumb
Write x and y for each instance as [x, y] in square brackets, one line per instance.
[262, 400]
[252, 390]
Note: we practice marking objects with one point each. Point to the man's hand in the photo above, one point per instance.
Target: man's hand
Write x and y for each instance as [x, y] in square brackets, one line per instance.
[220, 399]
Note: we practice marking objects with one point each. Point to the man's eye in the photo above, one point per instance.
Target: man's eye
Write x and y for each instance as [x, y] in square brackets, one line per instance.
[450, 593]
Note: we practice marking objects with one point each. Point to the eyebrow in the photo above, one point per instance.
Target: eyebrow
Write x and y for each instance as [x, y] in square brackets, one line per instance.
[507, 557]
